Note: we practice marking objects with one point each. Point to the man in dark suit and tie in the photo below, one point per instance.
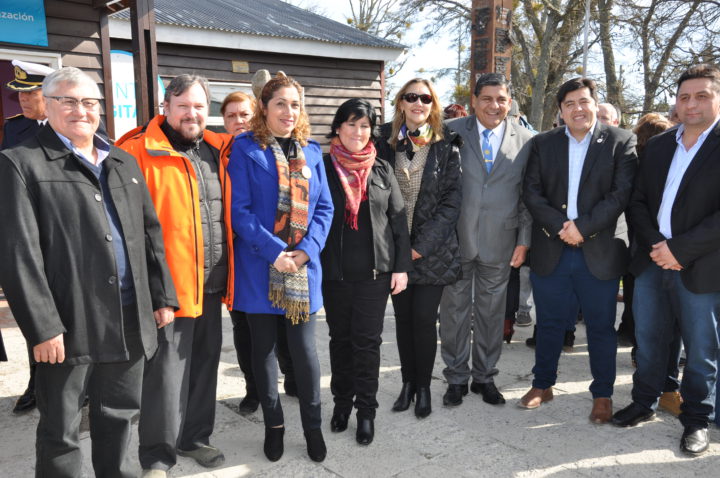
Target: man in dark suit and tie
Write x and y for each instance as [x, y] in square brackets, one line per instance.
[675, 213]
[578, 182]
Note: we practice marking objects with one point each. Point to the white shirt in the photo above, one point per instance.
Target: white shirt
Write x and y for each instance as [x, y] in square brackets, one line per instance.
[495, 137]
[680, 162]
[577, 150]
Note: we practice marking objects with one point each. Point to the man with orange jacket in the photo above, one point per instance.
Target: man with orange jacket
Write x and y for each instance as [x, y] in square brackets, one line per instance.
[184, 167]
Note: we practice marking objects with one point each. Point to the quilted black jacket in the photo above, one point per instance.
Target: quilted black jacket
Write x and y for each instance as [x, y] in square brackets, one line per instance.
[437, 210]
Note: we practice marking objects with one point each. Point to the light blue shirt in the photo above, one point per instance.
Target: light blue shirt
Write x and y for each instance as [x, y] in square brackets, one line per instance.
[102, 147]
[577, 150]
[495, 137]
[680, 162]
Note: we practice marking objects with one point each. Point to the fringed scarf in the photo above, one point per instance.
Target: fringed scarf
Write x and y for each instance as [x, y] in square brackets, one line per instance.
[412, 141]
[353, 170]
[290, 290]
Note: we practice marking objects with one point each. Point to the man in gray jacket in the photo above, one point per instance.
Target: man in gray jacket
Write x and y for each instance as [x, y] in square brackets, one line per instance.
[494, 234]
[84, 273]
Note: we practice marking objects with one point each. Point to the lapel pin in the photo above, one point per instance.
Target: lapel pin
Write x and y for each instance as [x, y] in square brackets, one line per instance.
[600, 140]
[134, 180]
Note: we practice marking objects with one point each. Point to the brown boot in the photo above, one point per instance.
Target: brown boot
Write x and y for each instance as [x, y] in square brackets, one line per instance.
[536, 397]
[670, 402]
[601, 411]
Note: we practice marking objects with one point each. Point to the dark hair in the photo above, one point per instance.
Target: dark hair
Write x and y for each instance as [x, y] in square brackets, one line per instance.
[181, 83]
[454, 111]
[703, 70]
[491, 79]
[354, 108]
[576, 84]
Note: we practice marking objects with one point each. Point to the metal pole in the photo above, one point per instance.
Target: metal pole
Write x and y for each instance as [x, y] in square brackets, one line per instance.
[585, 41]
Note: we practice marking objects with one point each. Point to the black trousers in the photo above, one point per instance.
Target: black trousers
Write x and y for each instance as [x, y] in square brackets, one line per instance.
[179, 387]
[114, 390]
[243, 349]
[355, 313]
[512, 300]
[301, 343]
[416, 312]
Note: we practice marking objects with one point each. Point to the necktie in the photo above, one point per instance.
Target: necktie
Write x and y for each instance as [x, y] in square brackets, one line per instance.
[487, 150]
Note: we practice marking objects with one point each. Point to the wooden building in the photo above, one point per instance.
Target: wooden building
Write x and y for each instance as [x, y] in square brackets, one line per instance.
[226, 41]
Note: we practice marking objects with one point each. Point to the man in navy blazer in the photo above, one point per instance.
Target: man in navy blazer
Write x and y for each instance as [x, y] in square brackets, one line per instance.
[675, 213]
[577, 183]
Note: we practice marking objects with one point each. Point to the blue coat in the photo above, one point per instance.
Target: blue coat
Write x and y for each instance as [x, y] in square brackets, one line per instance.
[254, 178]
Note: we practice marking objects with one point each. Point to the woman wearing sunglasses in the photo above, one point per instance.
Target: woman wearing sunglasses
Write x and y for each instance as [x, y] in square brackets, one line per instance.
[426, 158]
[366, 256]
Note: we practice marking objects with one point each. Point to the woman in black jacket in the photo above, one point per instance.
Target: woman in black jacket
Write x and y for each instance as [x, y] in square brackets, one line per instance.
[366, 256]
[426, 158]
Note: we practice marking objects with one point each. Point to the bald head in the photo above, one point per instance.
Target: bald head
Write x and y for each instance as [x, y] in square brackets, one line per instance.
[608, 114]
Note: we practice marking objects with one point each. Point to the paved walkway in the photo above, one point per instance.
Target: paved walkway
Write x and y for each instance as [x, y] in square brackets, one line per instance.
[473, 440]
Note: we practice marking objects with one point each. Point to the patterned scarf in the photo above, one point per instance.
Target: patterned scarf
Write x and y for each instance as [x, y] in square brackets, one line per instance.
[353, 170]
[290, 290]
[412, 141]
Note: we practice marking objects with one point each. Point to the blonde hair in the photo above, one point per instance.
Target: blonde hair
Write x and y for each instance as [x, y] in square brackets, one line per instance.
[435, 119]
[258, 123]
[237, 96]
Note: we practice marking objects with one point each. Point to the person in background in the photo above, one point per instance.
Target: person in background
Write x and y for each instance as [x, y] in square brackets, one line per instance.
[85, 276]
[366, 257]
[425, 156]
[609, 114]
[454, 111]
[237, 110]
[185, 167]
[281, 215]
[27, 83]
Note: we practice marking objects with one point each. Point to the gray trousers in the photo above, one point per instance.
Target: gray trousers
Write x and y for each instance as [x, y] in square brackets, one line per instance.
[114, 391]
[179, 387]
[526, 301]
[477, 302]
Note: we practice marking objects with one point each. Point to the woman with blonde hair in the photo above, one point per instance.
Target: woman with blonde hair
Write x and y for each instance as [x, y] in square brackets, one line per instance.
[281, 214]
[425, 156]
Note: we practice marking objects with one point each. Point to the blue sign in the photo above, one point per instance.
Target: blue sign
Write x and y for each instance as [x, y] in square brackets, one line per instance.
[23, 21]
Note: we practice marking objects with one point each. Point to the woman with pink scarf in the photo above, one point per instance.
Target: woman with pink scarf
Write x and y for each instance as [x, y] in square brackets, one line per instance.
[366, 257]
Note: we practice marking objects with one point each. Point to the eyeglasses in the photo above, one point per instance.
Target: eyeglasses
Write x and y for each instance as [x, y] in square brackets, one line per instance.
[69, 103]
[413, 97]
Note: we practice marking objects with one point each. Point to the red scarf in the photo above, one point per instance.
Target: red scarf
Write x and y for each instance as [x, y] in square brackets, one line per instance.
[353, 170]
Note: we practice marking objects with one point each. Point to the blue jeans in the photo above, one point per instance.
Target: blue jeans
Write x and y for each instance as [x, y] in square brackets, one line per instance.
[660, 302]
[556, 297]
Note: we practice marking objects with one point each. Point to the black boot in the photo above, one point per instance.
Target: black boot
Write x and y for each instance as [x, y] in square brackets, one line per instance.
[407, 395]
[365, 430]
[422, 405]
[274, 447]
[532, 340]
[315, 445]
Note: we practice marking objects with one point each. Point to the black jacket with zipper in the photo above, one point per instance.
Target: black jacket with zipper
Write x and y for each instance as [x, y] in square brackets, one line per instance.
[437, 209]
[391, 241]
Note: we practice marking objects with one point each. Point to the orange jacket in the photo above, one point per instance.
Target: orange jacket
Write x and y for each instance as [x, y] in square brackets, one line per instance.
[173, 187]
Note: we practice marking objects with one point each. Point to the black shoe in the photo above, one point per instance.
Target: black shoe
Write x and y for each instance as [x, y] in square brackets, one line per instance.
[273, 446]
[569, 341]
[423, 408]
[25, 402]
[407, 395]
[315, 445]
[290, 387]
[248, 405]
[339, 422]
[694, 441]
[632, 415]
[489, 392]
[365, 430]
[532, 340]
[453, 396]
[624, 339]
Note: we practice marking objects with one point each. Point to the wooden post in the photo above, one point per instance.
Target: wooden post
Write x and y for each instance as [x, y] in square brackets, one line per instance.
[144, 50]
[491, 44]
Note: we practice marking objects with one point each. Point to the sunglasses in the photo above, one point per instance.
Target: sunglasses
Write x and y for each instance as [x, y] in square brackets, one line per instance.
[413, 97]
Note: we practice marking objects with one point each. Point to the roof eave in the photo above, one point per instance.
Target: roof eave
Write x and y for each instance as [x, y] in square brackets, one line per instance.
[178, 34]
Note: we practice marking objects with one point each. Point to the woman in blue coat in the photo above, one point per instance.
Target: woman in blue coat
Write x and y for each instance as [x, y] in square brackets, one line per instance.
[281, 215]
